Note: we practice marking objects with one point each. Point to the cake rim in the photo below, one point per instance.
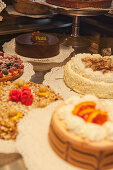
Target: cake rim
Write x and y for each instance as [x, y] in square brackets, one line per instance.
[76, 139]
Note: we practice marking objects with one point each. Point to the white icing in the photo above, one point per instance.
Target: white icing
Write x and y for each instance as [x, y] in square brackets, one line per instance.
[94, 132]
[78, 126]
[109, 127]
[78, 66]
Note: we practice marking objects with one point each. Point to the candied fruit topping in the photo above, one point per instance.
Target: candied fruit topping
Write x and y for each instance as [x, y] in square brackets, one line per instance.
[87, 111]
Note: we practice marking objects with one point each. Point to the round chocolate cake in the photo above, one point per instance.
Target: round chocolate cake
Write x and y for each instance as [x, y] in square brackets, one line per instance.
[29, 7]
[37, 45]
[81, 3]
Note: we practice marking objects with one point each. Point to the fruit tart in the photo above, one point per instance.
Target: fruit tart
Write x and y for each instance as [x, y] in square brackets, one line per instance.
[11, 67]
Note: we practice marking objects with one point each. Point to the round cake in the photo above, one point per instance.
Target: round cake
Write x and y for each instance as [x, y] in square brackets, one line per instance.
[81, 3]
[11, 67]
[29, 7]
[90, 74]
[37, 45]
[81, 132]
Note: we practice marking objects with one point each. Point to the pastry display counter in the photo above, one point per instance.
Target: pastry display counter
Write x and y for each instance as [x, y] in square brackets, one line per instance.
[60, 25]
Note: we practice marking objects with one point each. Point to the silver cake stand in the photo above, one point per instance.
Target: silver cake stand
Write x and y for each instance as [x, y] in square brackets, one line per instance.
[75, 40]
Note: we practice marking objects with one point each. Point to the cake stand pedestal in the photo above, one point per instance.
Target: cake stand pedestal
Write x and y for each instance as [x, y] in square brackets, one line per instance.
[78, 42]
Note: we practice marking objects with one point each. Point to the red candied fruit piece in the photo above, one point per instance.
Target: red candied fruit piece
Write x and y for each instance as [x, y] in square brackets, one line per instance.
[14, 69]
[13, 74]
[16, 58]
[1, 75]
[1, 53]
[19, 70]
[100, 119]
[10, 70]
[22, 66]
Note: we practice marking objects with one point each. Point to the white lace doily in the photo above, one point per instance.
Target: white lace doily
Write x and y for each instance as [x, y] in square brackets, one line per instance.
[2, 6]
[12, 11]
[57, 82]
[28, 71]
[7, 146]
[40, 64]
[33, 144]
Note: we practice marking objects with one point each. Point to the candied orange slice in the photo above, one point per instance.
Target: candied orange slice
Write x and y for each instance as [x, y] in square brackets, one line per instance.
[84, 105]
[97, 116]
[93, 115]
[87, 111]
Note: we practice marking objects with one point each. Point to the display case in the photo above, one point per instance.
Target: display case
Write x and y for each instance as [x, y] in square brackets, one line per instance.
[96, 30]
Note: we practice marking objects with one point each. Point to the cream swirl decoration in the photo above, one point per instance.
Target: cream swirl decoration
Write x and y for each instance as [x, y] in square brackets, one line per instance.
[78, 126]
[80, 68]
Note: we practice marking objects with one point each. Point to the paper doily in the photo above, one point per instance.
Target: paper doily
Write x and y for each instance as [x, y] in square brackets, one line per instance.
[12, 11]
[28, 72]
[37, 153]
[41, 64]
[57, 82]
[2, 6]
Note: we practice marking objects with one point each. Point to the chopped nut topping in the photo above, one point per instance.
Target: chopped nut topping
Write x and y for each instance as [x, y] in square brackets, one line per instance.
[20, 83]
[11, 112]
[103, 64]
[42, 88]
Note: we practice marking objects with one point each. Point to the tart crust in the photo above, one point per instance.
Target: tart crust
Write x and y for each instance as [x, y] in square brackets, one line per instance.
[11, 78]
[77, 150]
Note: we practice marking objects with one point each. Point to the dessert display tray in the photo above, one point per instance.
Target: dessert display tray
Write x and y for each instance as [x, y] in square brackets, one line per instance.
[41, 154]
[42, 64]
[12, 11]
[77, 12]
[40, 149]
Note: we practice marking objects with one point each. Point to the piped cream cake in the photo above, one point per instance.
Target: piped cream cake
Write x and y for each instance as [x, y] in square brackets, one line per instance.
[90, 74]
[81, 132]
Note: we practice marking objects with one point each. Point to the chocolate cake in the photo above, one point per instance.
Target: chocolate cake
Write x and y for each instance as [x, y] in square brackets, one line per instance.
[44, 46]
[29, 7]
[81, 3]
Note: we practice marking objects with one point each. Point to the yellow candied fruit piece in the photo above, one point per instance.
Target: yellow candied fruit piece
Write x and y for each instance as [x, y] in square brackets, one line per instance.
[25, 85]
[0, 91]
[43, 93]
[9, 74]
[16, 72]
[18, 116]
[16, 86]
[4, 75]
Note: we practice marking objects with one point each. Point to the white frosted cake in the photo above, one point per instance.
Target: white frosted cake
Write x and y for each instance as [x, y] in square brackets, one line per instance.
[90, 74]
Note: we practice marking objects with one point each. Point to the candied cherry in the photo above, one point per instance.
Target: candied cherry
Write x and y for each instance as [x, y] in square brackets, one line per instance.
[1, 75]
[1, 53]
